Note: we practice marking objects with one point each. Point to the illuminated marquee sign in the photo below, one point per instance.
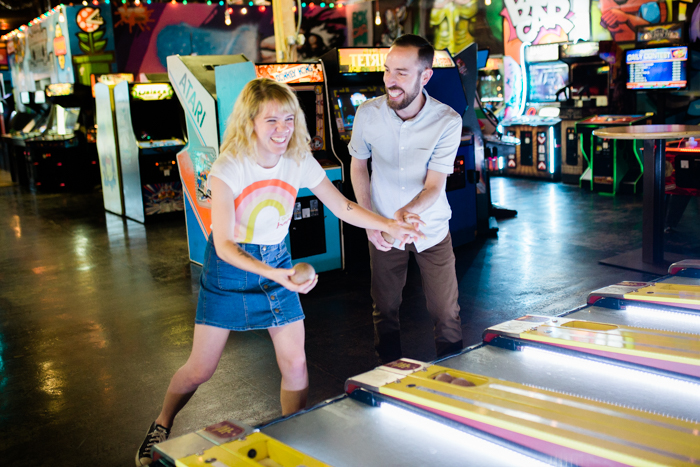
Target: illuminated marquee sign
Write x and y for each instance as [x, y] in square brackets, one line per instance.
[542, 53]
[152, 91]
[372, 60]
[291, 73]
[59, 89]
[580, 49]
[660, 33]
[656, 55]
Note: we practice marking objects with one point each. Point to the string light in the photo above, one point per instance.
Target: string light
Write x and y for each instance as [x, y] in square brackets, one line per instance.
[244, 11]
[261, 8]
[137, 2]
[378, 19]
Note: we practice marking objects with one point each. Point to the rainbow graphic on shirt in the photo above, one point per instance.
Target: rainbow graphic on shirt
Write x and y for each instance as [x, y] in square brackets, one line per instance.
[258, 196]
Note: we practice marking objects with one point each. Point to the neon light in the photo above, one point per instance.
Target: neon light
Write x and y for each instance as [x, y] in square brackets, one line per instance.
[477, 446]
[521, 109]
[500, 162]
[551, 149]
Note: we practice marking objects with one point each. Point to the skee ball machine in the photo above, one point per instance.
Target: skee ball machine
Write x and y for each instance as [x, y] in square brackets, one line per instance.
[207, 87]
[314, 232]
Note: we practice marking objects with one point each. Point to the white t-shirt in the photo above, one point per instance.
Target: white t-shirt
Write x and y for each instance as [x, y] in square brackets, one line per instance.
[264, 198]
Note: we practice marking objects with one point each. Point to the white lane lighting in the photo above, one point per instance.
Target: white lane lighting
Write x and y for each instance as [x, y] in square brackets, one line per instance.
[477, 446]
[608, 371]
[664, 316]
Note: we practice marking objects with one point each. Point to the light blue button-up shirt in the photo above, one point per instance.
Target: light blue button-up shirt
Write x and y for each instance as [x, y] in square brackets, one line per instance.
[402, 152]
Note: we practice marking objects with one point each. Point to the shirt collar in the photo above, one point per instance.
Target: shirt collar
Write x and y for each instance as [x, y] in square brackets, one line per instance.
[423, 111]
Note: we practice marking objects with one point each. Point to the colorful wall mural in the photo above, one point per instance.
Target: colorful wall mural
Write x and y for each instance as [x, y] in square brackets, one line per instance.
[455, 24]
[66, 46]
[147, 34]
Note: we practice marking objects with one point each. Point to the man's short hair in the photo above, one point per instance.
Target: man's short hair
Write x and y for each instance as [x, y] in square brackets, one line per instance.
[425, 50]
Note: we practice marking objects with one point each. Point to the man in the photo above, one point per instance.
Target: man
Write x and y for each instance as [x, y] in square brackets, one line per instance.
[412, 140]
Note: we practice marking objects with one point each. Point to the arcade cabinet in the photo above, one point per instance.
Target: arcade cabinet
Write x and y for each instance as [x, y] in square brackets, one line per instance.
[490, 84]
[609, 162]
[314, 232]
[539, 130]
[588, 93]
[108, 141]
[62, 156]
[207, 87]
[151, 131]
[25, 122]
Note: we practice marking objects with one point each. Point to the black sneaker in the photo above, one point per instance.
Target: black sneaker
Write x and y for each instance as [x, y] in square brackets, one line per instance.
[156, 434]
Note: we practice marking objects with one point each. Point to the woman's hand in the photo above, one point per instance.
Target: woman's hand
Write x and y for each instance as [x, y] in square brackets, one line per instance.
[282, 277]
[406, 230]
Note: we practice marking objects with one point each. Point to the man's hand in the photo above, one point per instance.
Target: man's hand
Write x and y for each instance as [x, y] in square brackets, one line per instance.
[375, 236]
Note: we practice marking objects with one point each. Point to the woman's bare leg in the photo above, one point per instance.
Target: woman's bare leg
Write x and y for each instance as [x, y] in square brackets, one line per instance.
[207, 347]
[291, 358]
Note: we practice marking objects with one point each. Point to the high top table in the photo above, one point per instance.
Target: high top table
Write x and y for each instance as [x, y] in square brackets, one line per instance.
[651, 256]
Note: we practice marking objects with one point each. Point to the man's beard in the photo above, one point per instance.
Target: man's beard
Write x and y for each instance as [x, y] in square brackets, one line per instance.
[407, 100]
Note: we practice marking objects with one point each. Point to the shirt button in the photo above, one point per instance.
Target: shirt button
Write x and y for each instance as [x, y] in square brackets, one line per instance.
[401, 168]
[401, 147]
[272, 298]
[266, 286]
[277, 310]
[264, 248]
[403, 188]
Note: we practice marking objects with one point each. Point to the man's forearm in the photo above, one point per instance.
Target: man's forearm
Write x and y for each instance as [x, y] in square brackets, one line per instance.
[359, 176]
[423, 200]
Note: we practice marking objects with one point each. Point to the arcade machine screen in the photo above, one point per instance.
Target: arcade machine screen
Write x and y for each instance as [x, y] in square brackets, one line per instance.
[545, 79]
[156, 119]
[348, 100]
[64, 121]
[39, 97]
[660, 68]
[590, 79]
[491, 83]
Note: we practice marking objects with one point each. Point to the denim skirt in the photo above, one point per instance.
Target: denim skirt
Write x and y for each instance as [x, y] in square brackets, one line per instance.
[238, 300]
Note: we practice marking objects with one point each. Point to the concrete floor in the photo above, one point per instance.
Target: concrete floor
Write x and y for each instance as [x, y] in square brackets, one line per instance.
[96, 313]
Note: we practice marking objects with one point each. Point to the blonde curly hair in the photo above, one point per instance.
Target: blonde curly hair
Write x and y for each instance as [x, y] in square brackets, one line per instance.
[240, 138]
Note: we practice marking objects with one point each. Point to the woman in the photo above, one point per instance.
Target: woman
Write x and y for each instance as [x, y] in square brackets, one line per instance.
[245, 281]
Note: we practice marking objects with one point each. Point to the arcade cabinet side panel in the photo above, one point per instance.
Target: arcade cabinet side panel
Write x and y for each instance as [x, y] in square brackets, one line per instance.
[129, 154]
[107, 150]
[230, 79]
[195, 160]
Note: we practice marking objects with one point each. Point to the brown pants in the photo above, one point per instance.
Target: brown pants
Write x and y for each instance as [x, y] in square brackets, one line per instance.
[437, 267]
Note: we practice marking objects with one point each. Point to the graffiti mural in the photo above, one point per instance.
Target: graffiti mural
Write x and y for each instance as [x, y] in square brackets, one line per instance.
[543, 22]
